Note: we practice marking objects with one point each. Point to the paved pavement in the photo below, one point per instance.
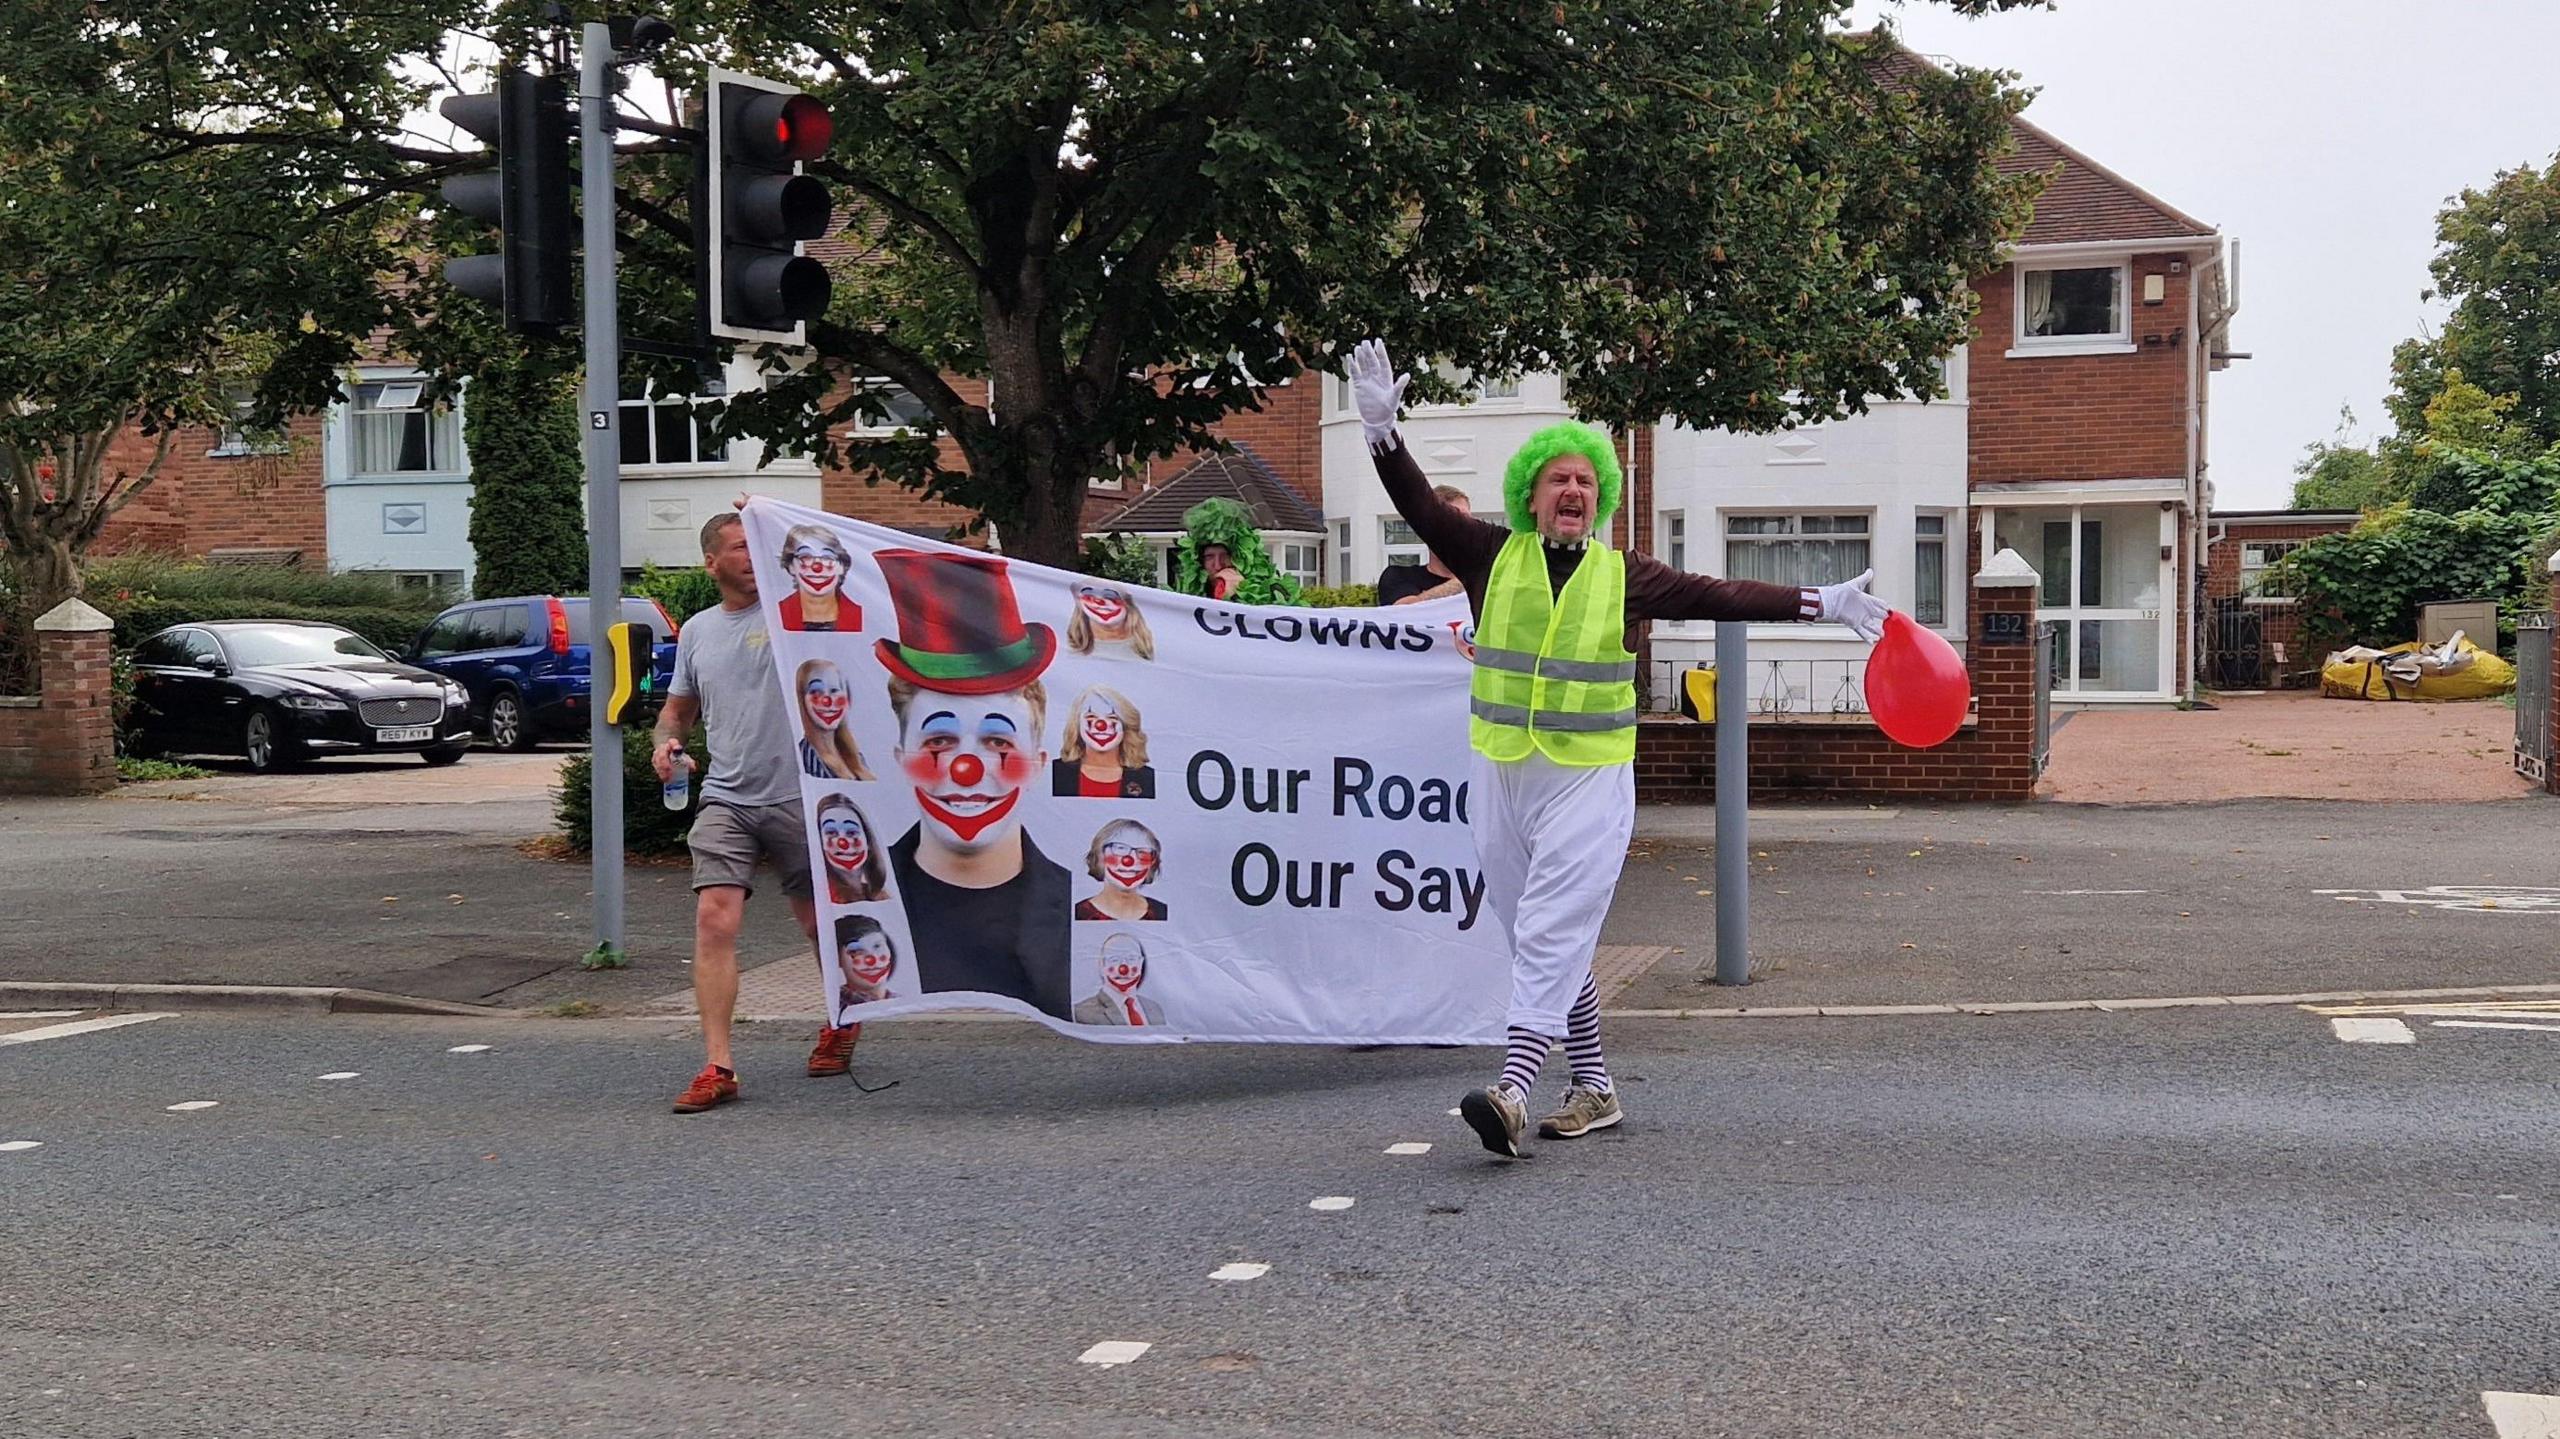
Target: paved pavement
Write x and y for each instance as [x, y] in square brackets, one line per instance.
[389, 877]
[2185, 1223]
[2286, 744]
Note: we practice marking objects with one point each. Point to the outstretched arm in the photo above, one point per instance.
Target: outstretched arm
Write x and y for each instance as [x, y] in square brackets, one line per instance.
[1462, 542]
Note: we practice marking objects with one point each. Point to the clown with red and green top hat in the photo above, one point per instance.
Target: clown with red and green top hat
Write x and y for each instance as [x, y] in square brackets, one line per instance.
[988, 911]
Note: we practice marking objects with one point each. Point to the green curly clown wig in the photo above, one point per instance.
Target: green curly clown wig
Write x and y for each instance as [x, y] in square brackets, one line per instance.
[1569, 438]
[1221, 521]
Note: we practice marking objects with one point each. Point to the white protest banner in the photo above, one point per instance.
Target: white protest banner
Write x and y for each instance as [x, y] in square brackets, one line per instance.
[1136, 815]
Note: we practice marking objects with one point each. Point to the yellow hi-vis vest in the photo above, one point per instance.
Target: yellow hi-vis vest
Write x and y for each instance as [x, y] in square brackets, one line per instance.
[1553, 671]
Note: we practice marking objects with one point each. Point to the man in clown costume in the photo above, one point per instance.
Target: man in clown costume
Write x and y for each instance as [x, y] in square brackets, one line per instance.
[1552, 720]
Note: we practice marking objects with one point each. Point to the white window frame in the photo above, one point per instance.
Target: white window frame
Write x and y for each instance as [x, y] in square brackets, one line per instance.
[872, 430]
[2253, 577]
[1341, 551]
[647, 404]
[237, 440]
[1480, 392]
[1300, 559]
[1794, 534]
[1671, 538]
[443, 422]
[2024, 345]
[1950, 530]
[1393, 549]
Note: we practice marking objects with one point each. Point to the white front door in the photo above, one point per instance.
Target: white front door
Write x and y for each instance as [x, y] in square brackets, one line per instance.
[2105, 579]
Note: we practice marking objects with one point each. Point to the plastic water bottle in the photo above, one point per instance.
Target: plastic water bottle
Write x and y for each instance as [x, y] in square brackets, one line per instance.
[677, 792]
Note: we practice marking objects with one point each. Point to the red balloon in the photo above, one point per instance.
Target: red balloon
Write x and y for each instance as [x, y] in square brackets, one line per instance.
[1916, 685]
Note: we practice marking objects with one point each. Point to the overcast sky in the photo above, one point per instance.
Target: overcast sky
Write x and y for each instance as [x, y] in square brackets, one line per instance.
[2322, 134]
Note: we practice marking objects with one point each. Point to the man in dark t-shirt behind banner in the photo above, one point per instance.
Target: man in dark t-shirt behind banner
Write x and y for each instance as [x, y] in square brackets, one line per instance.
[1411, 584]
[986, 909]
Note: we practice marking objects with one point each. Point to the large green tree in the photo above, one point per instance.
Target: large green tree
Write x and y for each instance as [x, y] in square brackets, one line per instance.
[528, 513]
[1133, 217]
[2498, 260]
[198, 202]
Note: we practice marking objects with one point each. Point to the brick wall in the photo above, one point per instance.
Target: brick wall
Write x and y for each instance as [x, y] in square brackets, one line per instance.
[202, 502]
[2081, 417]
[1990, 759]
[61, 740]
[846, 491]
[2279, 623]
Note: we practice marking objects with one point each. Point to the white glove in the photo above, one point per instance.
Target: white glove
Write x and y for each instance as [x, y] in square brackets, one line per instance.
[1377, 392]
[1848, 603]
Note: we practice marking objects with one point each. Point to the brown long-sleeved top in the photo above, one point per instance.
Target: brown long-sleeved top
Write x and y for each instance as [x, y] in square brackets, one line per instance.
[1655, 591]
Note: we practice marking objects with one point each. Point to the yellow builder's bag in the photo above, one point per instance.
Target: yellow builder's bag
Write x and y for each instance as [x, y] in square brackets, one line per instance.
[2454, 670]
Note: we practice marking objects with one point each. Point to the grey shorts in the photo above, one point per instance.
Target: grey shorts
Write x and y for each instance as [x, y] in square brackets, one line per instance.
[729, 840]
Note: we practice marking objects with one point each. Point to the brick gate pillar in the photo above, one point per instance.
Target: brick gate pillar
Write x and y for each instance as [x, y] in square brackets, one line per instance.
[63, 739]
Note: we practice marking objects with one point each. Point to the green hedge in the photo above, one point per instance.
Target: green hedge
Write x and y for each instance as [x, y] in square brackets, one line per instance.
[142, 616]
[1334, 597]
[648, 826]
[684, 593]
[147, 593]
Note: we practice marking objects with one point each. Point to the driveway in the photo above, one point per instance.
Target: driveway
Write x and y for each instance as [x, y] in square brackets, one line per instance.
[2288, 745]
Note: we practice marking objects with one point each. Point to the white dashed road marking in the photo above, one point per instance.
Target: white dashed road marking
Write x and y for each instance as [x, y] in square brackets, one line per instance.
[83, 1026]
[37, 1013]
[185, 1105]
[2523, 1416]
[12, 1146]
[2493, 1024]
[2373, 1031]
[467, 1049]
[1111, 1353]
[1409, 1147]
[1330, 1202]
[1239, 1271]
[343, 1074]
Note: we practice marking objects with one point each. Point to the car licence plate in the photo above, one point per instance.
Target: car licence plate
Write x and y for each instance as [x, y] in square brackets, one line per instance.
[407, 734]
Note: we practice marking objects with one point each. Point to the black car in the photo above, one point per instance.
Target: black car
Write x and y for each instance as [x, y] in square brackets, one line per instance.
[278, 691]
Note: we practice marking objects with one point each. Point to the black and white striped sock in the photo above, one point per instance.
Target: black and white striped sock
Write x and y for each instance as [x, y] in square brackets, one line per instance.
[1582, 1040]
[1528, 1056]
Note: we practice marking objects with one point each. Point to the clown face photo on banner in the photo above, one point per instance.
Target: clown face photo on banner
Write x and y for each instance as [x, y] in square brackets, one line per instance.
[1133, 815]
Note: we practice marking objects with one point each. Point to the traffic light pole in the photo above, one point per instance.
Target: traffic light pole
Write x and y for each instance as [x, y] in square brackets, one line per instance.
[604, 490]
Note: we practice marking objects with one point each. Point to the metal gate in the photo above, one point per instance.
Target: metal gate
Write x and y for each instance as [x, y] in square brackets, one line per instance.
[2048, 642]
[2533, 698]
[2235, 646]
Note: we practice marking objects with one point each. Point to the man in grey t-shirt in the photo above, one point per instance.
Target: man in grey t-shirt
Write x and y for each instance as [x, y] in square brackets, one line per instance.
[750, 811]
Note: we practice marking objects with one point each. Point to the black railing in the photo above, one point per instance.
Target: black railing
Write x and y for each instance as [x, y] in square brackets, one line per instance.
[1781, 689]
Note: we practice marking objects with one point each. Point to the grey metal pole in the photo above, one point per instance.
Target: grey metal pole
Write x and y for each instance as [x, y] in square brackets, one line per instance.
[604, 460]
[1733, 802]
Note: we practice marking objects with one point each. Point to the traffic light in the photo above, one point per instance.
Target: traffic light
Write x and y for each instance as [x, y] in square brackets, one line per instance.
[526, 197]
[633, 649]
[756, 285]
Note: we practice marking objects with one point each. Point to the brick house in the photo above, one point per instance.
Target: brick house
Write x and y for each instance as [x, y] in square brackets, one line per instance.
[2072, 432]
[2252, 628]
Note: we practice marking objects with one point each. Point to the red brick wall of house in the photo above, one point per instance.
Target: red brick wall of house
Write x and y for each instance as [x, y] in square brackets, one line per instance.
[202, 502]
[2280, 624]
[2081, 417]
[1991, 759]
[847, 491]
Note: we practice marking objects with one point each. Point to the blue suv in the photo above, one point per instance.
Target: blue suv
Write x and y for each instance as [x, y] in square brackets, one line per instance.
[524, 661]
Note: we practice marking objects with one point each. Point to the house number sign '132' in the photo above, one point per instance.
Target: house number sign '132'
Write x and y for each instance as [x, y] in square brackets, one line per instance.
[2004, 629]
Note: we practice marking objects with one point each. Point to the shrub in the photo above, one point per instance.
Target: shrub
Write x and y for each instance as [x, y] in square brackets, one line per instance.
[528, 520]
[1121, 557]
[683, 593]
[145, 593]
[1334, 597]
[649, 828]
[2364, 586]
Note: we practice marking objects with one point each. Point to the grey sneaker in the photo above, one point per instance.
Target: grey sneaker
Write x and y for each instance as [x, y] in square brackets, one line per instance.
[1497, 1119]
[1584, 1111]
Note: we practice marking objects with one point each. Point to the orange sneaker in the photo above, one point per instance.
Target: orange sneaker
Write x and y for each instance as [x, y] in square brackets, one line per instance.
[709, 1089]
[834, 1054]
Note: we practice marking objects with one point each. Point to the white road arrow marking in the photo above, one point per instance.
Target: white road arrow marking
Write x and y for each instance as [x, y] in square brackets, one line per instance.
[2373, 1031]
[2523, 1416]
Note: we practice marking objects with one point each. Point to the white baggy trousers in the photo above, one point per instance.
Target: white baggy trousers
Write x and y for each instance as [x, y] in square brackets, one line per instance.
[1551, 839]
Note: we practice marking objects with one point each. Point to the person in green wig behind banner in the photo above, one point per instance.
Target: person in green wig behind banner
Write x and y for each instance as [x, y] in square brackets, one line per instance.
[1223, 557]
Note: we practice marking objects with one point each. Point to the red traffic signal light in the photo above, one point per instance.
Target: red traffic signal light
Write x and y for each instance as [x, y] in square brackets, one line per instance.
[756, 285]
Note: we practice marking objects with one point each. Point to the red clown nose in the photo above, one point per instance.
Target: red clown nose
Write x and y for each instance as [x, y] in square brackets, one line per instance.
[968, 769]
[1916, 685]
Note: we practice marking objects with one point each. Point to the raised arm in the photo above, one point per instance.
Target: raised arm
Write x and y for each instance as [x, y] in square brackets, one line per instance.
[1461, 541]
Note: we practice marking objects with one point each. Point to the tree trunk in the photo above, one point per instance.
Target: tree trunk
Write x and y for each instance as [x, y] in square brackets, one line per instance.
[48, 573]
